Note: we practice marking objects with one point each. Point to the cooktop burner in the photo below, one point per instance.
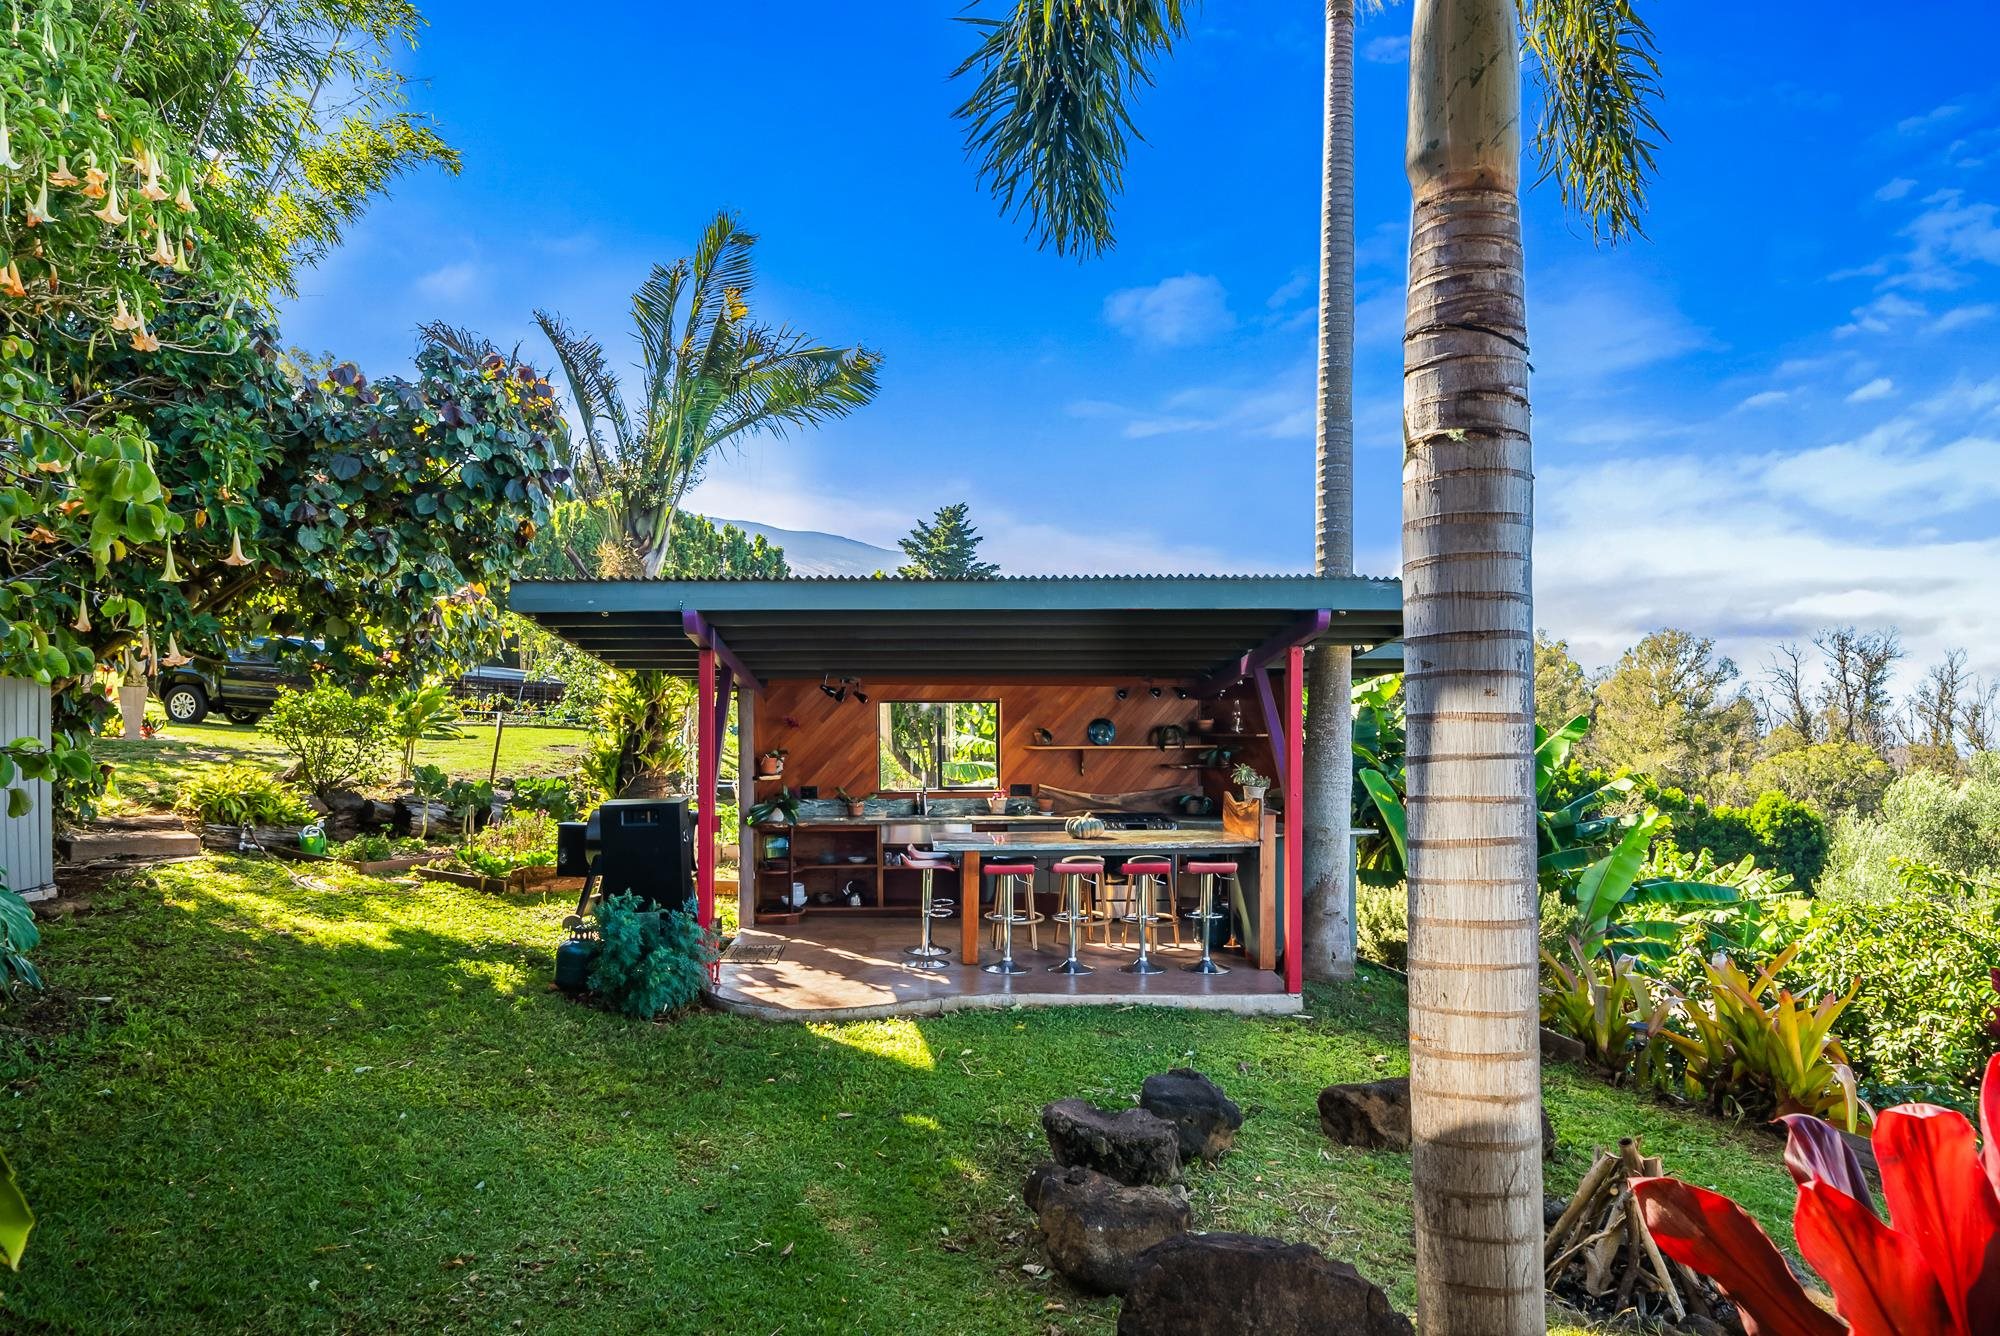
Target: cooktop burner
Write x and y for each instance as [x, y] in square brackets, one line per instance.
[1139, 821]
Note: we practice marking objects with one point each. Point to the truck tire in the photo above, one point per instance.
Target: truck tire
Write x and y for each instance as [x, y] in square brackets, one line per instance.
[186, 703]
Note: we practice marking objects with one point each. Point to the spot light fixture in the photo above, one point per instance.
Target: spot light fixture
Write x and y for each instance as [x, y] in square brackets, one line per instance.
[837, 691]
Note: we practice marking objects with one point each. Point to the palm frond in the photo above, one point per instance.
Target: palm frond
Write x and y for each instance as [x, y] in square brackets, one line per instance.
[1600, 80]
[1048, 116]
[594, 391]
[800, 387]
[469, 344]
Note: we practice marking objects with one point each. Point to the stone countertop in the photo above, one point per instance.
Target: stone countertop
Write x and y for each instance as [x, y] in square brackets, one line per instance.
[1115, 842]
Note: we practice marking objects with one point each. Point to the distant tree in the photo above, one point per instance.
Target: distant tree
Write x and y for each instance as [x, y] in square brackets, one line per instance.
[945, 549]
[1562, 689]
[711, 375]
[1789, 709]
[1947, 708]
[1667, 710]
[1854, 702]
[1834, 777]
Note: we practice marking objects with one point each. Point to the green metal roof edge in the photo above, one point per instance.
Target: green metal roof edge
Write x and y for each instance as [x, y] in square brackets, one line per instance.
[1011, 594]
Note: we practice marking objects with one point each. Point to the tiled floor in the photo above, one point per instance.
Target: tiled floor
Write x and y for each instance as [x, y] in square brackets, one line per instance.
[852, 966]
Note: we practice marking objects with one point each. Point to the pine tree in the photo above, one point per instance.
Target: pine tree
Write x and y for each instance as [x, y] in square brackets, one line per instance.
[945, 549]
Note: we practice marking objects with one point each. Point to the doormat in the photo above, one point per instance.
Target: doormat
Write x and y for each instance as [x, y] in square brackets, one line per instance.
[743, 953]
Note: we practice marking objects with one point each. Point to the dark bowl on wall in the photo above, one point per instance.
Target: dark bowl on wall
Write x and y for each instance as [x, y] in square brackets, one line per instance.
[1101, 732]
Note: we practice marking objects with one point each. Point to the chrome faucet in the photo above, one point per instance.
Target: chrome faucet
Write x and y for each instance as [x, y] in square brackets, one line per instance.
[923, 798]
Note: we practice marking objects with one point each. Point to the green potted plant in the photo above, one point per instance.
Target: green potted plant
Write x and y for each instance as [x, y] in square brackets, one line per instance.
[1253, 784]
[780, 808]
[855, 806]
[771, 764]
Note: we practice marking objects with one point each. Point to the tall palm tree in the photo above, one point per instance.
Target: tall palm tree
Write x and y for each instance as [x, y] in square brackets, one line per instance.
[1048, 120]
[1328, 937]
[710, 374]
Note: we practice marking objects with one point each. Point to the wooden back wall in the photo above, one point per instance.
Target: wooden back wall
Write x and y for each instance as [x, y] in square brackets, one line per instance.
[833, 744]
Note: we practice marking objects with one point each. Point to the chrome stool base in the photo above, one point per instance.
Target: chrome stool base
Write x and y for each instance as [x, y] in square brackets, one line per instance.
[926, 952]
[1005, 967]
[1142, 967]
[930, 964]
[1070, 967]
[1205, 967]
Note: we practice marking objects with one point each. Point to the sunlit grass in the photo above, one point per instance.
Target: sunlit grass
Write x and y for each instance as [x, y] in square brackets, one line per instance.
[335, 1103]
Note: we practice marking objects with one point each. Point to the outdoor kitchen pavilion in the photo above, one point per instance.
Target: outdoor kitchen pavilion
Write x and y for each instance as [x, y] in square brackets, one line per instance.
[814, 664]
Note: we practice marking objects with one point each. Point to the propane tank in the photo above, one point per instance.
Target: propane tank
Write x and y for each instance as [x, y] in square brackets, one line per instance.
[573, 961]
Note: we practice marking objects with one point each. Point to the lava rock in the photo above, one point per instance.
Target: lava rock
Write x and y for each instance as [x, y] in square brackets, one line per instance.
[1242, 1285]
[1133, 1146]
[1095, 1227]
[1560, 1047]
[1375, 1115]
[1206, 1118]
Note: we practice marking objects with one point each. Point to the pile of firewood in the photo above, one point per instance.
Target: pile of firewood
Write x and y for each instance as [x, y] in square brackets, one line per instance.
[1600, 1256]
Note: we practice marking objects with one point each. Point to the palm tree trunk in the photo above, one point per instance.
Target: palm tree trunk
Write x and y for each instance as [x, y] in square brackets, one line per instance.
[1475, 1069]
[1329, 741]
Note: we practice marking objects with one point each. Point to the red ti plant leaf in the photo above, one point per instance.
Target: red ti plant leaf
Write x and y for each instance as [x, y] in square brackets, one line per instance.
[1707, 1231]
[1989, 1120]
[1938, 1197]
[1816, 1152]
[1881, 1281]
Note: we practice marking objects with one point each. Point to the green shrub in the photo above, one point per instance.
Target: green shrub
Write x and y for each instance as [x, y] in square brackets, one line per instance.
[243, 795]
[1777, 832]
[649, 962]
[1382, 925]
[1918, 1024]
[338, 739]
[375, 847]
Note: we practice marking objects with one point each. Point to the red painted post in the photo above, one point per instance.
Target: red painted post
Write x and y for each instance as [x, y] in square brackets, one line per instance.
[1295, 807]
[708, 763]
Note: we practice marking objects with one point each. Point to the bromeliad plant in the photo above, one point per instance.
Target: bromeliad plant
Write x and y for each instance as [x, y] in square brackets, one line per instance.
[1752, 1049]
[1617, 1013]
[1932, 1269]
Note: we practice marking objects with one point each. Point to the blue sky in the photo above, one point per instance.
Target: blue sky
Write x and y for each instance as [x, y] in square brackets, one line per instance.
[1778, 412]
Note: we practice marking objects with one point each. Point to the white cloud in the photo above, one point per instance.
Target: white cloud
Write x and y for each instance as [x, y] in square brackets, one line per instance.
[1896, 189]
[1387, 50]
[1959, 317]
[1934, 117]
[1879, 388]
[1280, 408]
[451, 282]
[1765, 399]
[1882, 315]
[1594, 328]
[1720, 543]
[1175, 312]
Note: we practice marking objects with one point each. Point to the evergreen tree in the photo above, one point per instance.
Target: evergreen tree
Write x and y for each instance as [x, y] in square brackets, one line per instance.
[945, 549]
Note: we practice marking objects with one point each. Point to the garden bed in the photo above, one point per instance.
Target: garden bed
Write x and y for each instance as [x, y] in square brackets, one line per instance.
[539, 880]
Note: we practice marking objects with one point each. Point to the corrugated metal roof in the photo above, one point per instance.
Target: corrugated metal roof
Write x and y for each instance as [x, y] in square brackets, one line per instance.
[1086, 626]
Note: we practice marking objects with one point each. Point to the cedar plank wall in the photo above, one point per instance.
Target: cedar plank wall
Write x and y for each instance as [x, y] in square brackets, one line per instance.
[834, 742]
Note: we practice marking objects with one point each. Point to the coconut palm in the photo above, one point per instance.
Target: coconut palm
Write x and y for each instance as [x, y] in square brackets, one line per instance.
[710, 375]
[1048, 119]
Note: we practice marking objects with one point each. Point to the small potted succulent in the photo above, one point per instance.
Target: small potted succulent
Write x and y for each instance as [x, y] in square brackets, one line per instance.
[855, 806]
[771, 764]
[1252, 783]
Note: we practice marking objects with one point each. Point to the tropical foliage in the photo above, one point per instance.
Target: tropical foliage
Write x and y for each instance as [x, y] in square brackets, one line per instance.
[336, 739]
[649, 962]
[243, 795]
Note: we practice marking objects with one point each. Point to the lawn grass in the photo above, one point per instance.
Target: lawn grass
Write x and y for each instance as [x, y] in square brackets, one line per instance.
[147, 772]
[346, 1104]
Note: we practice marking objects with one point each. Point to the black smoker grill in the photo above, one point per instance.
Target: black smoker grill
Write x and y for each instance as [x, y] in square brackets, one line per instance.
[632, 846]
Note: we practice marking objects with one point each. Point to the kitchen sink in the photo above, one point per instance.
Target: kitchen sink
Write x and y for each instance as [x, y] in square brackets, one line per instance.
[899, 833]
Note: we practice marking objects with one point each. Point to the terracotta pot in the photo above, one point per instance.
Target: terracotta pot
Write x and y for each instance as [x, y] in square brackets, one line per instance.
[769, 767]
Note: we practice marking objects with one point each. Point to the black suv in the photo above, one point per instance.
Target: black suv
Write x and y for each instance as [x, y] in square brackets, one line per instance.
[241, 686]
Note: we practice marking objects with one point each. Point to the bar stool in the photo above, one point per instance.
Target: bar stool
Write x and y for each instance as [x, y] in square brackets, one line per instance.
[1146, 873]
[925, 955]
[1135, 894]
[1073, 871]
[1004, 916]
[1205, 917]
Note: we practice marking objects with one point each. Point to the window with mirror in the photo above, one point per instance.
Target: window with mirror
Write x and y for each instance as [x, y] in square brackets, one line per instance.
[939, 744]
